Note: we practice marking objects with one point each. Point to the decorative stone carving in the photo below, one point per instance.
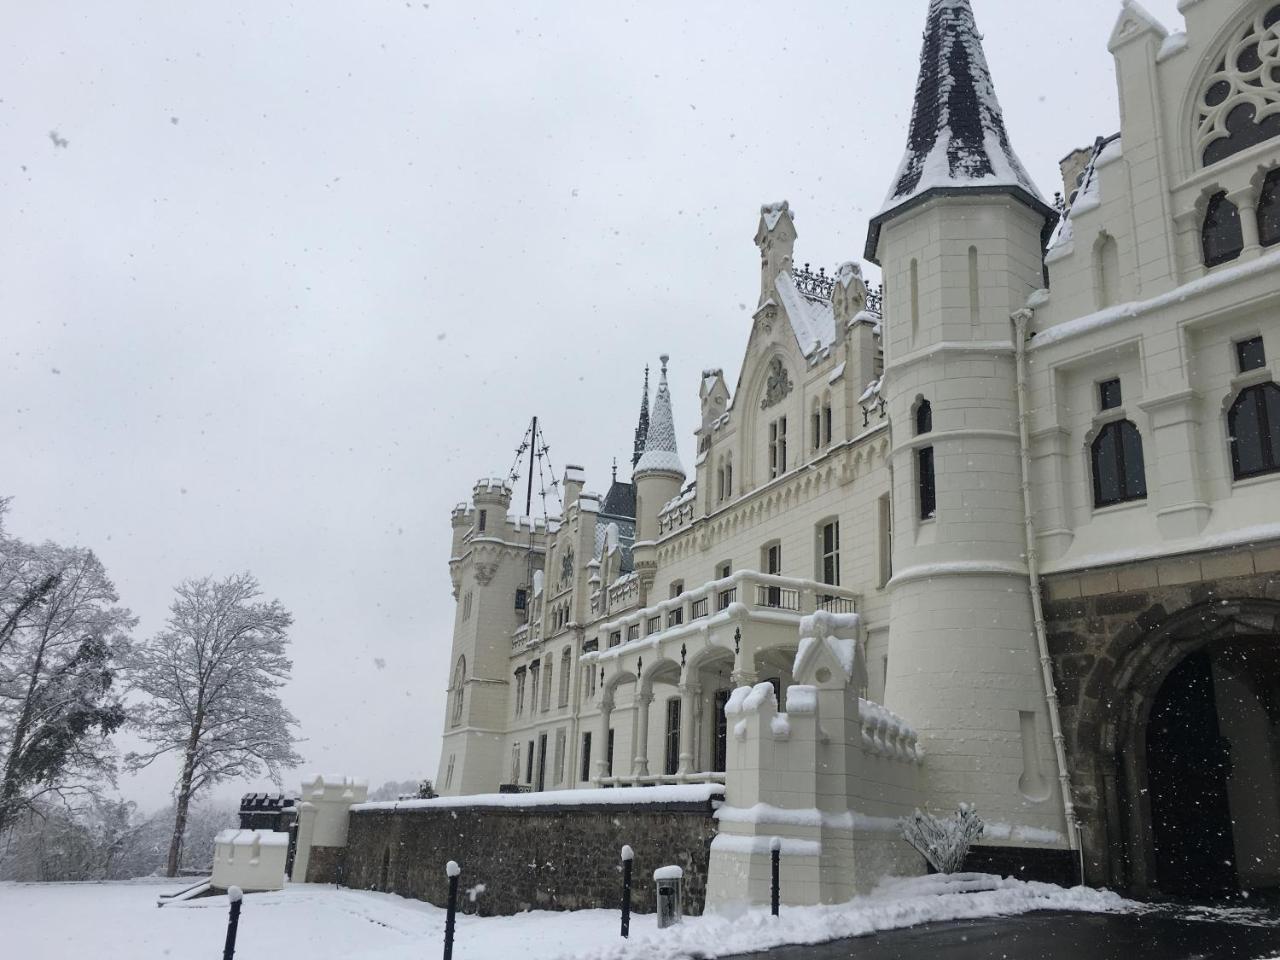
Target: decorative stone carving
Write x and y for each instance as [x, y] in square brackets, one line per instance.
[777, 386]
[1240, 100]
[485, 572]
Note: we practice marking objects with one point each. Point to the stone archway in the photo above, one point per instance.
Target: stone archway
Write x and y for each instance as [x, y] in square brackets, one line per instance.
[1189, 755]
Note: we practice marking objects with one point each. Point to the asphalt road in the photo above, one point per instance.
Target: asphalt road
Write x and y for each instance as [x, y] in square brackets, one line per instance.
[1157, 935]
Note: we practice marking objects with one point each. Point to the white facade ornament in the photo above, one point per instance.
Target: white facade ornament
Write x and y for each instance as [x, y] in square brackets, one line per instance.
[777, 386]
[1239, 103]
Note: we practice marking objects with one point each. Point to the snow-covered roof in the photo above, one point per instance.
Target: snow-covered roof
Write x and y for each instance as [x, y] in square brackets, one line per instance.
[660, 445]
[812, 320]
[957, 138]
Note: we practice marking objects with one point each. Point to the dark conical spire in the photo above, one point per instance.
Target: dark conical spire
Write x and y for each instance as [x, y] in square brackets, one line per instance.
[660, 453]
[957, 139]
[957, 136]
[642, 427]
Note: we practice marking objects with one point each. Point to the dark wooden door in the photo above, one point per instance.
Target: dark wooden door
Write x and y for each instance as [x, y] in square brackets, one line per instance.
[1188, 765]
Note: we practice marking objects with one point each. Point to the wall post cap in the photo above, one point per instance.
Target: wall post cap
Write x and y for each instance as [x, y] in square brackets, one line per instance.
[775, 844]
[235, 894]
[452, 869]
[627, 853]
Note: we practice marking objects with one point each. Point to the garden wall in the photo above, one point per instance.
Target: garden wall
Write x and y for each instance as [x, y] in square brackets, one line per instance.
[547, 856]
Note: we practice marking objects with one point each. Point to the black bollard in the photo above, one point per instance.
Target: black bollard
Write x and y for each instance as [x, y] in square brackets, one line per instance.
[452, 869]
[627, 856]
[775, 853]
[233, 922]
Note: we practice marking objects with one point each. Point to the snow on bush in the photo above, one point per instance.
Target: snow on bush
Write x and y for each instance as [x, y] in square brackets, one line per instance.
[944, 842]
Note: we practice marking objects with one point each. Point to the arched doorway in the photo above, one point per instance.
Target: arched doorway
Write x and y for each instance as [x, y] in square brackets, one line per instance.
[1188, 770]
[1194, 799]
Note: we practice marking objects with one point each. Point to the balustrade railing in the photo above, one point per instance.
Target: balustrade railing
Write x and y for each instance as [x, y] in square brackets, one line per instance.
[746, 588]
[833, 604]
[777, 598]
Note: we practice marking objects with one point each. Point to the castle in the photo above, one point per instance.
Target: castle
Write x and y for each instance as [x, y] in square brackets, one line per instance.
[1002, 539]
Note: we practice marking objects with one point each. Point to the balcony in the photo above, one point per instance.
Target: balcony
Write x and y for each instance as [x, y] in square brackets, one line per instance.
[744, 595]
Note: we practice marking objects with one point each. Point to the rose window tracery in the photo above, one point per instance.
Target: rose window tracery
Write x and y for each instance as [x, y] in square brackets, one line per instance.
[1239, 103]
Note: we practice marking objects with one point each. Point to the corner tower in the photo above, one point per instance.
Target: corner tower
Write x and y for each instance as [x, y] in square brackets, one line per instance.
[494, 558]
[960, 242]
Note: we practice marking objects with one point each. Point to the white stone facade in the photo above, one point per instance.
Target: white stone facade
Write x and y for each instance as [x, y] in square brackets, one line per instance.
[990, 369]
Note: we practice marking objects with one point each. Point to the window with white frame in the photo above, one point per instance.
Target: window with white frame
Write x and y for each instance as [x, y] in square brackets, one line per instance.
[778, 447]
[829, 553]
[566, 657]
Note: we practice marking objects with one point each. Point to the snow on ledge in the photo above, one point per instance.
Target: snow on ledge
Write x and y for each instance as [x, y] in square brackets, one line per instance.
[1220, 277]
[614, 796]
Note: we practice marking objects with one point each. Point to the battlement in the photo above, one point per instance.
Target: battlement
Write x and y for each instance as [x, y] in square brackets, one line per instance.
[334, 788]
[491, 490]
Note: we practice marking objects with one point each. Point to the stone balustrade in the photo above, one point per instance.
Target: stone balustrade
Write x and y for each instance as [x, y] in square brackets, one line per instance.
[743, 591]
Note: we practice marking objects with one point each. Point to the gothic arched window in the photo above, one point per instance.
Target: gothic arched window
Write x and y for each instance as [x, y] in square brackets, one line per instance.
[924, 417]
[1238, 101]
[1253, 423]
[1220, 233]
[1118, 470]
[1269, 209]
[459, 681]
[926, 483]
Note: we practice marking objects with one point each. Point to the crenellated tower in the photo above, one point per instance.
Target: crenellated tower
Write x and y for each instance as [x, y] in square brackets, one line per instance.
[491, 567]
[960, 242]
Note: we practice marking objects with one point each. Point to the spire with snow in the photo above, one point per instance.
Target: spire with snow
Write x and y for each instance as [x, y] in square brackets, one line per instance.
[642, 427]
[957, 137]
[660, 453]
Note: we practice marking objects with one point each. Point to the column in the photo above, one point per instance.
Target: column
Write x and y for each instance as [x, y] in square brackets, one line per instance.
[602, 764]
[640, 767]
[688, 697]
[1246, 205]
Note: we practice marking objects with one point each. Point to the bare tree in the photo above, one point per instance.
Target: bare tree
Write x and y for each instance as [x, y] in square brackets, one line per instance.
[212, 677]
[61, 639]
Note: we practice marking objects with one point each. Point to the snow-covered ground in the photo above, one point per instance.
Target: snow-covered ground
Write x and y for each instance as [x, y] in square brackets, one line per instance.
[120, 920]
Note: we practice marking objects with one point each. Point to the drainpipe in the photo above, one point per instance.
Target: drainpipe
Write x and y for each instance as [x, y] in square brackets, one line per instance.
[1021, 319]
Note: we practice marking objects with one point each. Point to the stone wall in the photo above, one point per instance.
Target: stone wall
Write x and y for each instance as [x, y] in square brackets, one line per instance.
[1114, 634]
[545, 857]
[326, 865]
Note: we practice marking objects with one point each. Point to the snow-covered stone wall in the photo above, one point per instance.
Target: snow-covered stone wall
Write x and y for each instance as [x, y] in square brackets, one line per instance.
[548, 851]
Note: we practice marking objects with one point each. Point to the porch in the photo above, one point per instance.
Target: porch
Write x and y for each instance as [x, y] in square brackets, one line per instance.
[688, 653]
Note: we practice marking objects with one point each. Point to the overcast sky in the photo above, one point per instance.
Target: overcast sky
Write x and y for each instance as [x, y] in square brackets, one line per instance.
[279, 282]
